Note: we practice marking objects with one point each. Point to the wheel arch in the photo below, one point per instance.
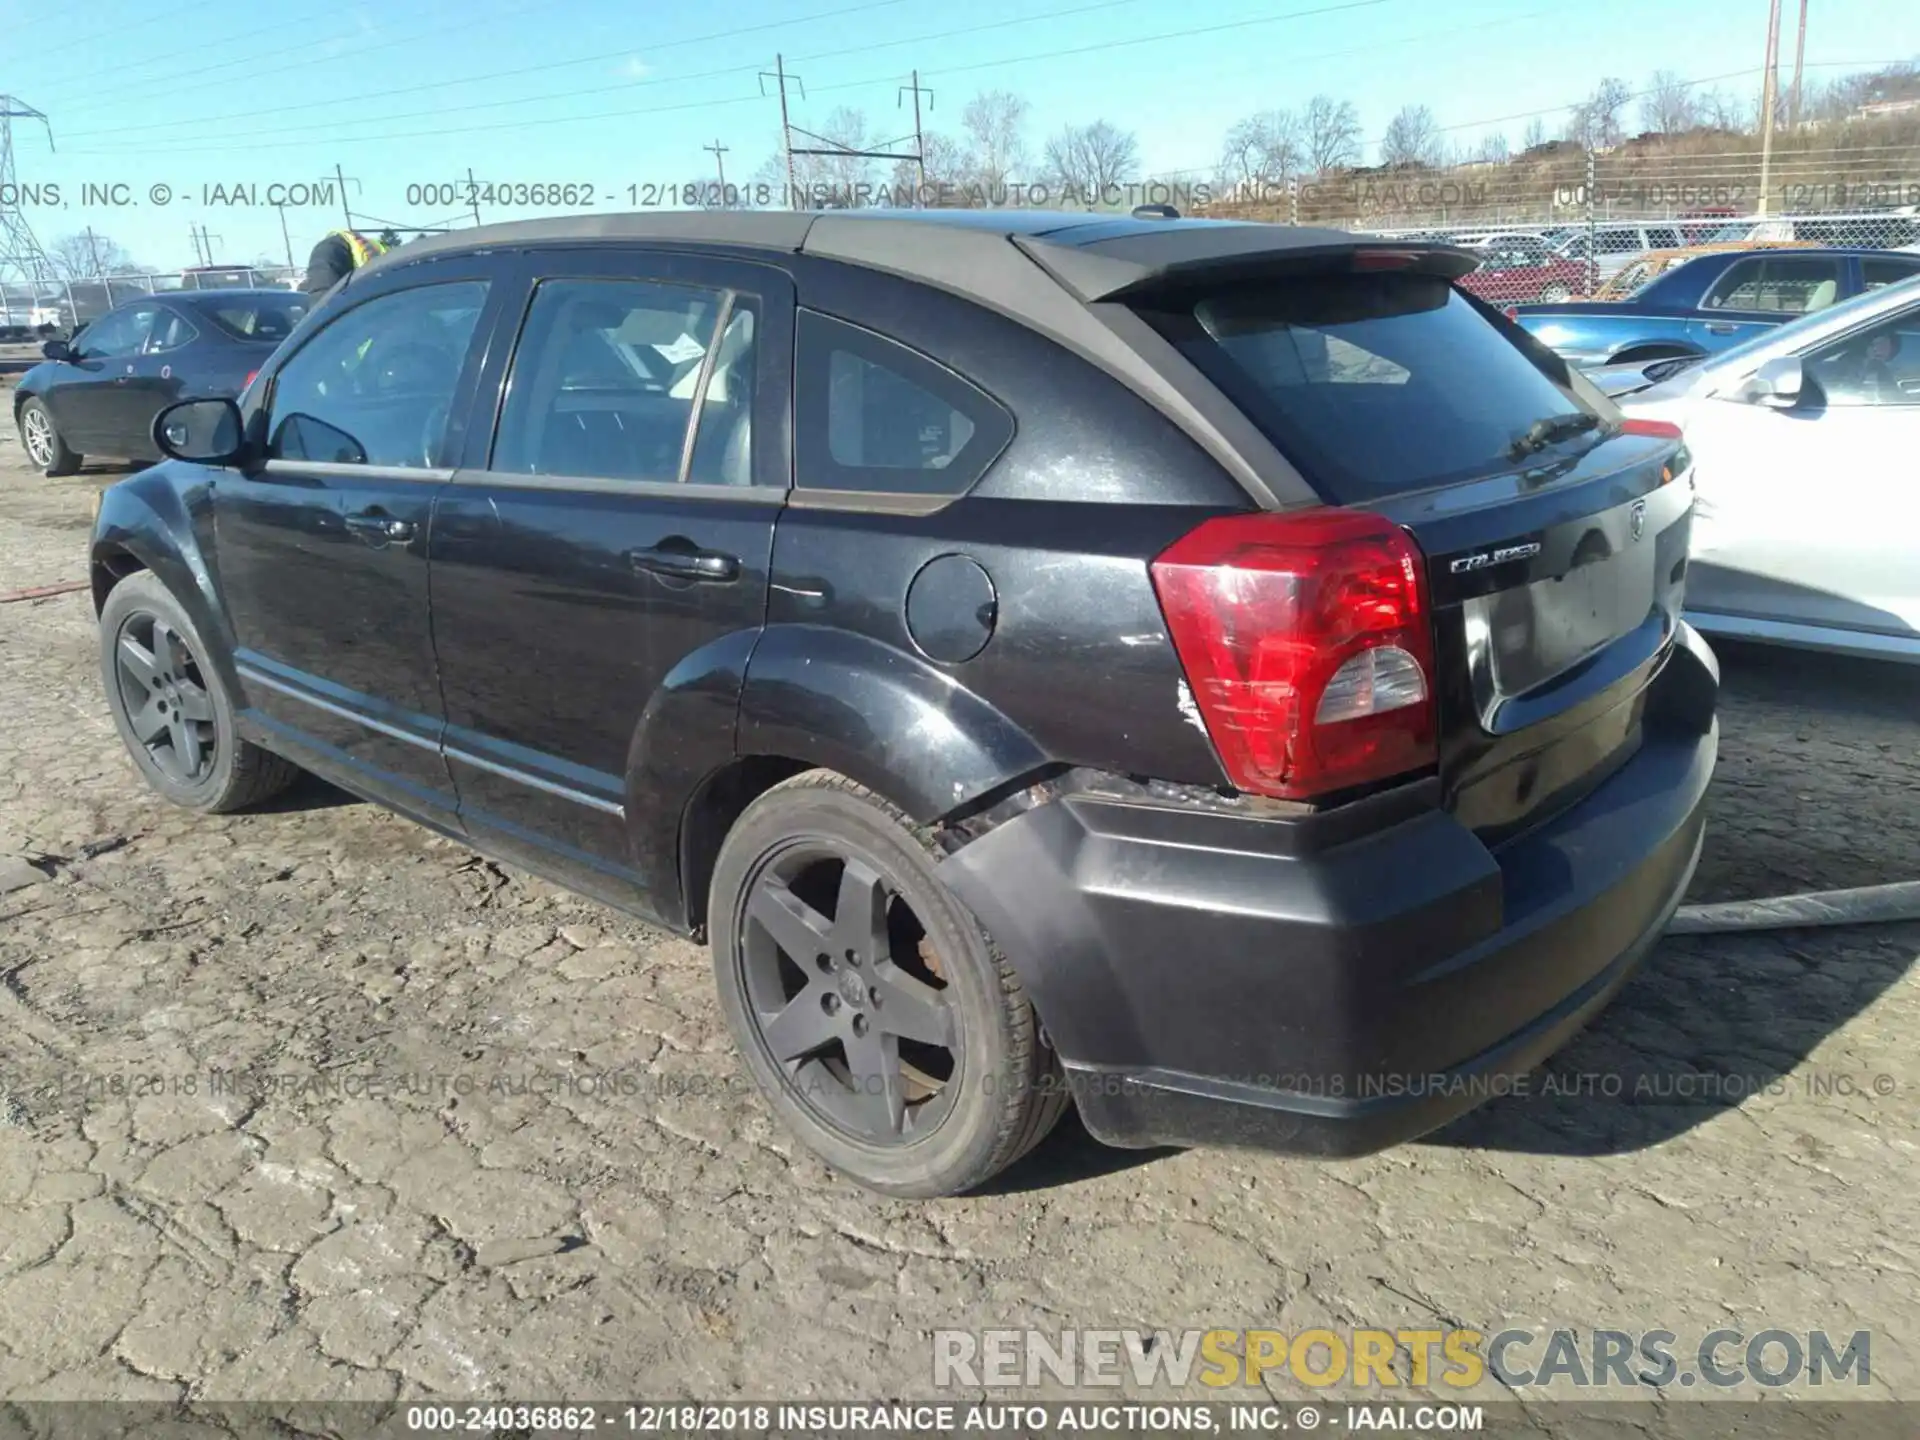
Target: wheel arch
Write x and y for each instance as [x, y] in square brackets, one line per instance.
[809, 697]
[148, 523]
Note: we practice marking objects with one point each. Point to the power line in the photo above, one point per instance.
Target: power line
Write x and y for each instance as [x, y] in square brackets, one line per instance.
[599, 57]
[334, 138]
[331, 127]
[308, 57]
[40, 52]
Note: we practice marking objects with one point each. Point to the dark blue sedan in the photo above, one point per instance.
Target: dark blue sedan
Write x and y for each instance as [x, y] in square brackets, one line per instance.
[1711, 303]
[97, 393]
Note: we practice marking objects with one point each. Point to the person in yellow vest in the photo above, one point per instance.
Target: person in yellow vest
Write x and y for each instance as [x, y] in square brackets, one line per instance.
[337, 255]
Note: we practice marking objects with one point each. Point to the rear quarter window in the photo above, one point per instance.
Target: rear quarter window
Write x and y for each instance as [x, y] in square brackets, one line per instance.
[873, 415]
[1372, 384]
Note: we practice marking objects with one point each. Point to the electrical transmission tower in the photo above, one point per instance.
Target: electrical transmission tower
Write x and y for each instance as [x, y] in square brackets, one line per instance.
[21, 258]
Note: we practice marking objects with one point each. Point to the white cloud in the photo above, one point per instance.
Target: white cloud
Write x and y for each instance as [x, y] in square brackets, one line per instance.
[634, 68]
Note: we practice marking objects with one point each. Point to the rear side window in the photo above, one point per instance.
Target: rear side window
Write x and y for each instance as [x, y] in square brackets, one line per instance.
[874, 415]
[1790, 285]
[605, 378]
[1878, 270]
[268, 318]
[1372, 384]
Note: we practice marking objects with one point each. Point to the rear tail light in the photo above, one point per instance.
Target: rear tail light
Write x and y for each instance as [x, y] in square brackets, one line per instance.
[1307, 640]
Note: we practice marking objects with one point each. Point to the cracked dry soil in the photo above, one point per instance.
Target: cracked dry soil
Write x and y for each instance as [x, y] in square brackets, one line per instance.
[415, 1190]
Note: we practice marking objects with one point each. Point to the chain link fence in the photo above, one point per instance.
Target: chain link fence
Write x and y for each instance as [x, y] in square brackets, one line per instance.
[1562, 222]
[62, 306]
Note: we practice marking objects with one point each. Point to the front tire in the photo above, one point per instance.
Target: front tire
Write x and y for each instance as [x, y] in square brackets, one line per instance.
[1556, 294]
[44, 445]
[872, 1009]
[171, 709]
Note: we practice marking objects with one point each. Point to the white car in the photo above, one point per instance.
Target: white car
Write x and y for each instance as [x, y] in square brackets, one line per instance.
[1804, 442]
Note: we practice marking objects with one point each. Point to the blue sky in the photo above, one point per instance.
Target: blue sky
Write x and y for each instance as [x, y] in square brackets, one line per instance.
[615, 93]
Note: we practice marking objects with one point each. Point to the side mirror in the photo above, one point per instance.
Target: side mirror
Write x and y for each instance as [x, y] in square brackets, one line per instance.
[57, 350]
[1777, 382]
[205, 432]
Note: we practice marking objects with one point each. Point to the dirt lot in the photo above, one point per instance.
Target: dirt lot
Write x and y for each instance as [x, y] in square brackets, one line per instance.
[346, 1223]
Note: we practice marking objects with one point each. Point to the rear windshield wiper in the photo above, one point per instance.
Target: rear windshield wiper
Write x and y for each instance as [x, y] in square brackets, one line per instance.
[1543, 433]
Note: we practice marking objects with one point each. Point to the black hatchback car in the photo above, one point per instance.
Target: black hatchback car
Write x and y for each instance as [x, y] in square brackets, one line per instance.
[98, 393]
[1220, 675]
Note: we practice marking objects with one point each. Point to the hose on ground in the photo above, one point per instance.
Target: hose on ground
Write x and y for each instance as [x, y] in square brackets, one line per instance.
[1867, 905]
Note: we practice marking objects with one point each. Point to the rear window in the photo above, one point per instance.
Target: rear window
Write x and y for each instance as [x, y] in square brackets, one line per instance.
[269, 318]
[1376, 384]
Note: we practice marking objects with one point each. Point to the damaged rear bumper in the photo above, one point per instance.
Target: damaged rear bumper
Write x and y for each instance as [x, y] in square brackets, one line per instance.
[1211, 978]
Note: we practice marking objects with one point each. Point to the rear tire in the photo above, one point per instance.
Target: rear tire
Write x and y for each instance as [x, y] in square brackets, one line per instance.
[171, 709]
[1556, 294]
[965, 1086]
[42, 440]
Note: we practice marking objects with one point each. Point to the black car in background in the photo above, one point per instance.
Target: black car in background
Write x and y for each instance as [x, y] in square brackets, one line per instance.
[1222, 675]
[97, 393]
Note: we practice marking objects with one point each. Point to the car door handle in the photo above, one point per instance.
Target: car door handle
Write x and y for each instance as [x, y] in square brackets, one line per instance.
[680, 559]
[378, 525]
[1721, 327]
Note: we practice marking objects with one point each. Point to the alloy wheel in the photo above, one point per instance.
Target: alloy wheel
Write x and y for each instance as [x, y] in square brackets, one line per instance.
[37, 431]
[846, 995]
[164, 698]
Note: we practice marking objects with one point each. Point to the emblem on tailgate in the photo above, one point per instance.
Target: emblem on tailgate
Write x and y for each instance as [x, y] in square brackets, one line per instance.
[1501, 556]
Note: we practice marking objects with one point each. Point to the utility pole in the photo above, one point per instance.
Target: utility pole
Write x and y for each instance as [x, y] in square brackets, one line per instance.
[919, 136]
[719, 151]
[1799, 61]
[1769, 93]
[346, 210]
[285, 238]
[473, 194]
[786, 127]
[93, 250]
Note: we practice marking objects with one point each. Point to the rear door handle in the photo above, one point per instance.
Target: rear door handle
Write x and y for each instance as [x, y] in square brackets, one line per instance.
[680, 559]
[1721, 327]
[378, 525]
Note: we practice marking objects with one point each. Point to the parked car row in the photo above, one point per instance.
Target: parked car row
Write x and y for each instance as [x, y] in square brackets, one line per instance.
[1710, 302]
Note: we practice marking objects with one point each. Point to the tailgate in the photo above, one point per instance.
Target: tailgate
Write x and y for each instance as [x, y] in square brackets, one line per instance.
[1556, 593]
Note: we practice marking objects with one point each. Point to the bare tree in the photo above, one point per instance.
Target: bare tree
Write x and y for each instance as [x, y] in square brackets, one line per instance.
[89, 256]
[1262, 151]
[826, 182]
[949, 173]
[1535, 136]
[1085, 161]
[994, 124]
[1668, 106]
[1331, 134]
[1595, 122]
[1717, 112]
[1491, 149]
[1412, 138]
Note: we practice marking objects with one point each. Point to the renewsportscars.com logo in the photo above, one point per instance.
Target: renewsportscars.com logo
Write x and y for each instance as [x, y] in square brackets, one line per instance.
[1384, 1359]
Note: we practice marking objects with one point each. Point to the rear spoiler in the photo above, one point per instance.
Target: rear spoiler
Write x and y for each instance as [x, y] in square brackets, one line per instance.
[1133, 264]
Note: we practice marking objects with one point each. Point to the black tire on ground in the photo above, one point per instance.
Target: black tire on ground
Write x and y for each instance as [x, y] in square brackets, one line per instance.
[45, 447]
[181, 735]
[804, 848]
[1555, 294]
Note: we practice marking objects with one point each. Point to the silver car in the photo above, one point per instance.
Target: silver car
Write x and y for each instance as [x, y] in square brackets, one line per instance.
[1804, 442]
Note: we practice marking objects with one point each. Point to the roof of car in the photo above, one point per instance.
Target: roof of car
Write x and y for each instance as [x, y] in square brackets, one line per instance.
[1096, 256]
[231, 292]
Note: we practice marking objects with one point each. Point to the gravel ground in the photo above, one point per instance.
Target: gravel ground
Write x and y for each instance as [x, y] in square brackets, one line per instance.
[357, 1228]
